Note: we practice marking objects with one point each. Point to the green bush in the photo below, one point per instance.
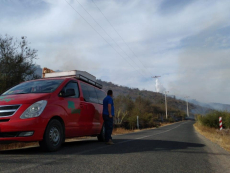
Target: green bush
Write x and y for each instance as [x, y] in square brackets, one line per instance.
[226, 121]
[132, 122]
[212, 119]
[145, 120]
[171, 120]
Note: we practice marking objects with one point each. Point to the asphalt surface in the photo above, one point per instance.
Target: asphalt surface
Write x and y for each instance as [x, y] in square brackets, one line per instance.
[174, 148]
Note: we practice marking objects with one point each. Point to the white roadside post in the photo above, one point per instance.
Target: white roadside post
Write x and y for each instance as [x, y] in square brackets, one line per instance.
[220, 123]
[166, 109]
[137, 122]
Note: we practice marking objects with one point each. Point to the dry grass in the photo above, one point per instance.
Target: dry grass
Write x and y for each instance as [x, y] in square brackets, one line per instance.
[165, 124]
[119, 130]
[222, 138]
[18, 145]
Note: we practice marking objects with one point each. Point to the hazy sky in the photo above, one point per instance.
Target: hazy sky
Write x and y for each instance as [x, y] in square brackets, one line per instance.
[185, 42]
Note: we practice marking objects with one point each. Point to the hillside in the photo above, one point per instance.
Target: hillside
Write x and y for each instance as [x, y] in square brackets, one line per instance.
[158, 98]
[154, 97]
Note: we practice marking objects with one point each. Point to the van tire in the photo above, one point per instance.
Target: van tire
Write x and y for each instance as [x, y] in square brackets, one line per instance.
[53, 136]
[101, 136]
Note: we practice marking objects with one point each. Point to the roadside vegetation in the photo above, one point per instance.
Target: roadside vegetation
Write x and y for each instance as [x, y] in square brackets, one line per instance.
[212, 119]
[16, 62]
[208, 126]
[150, 115]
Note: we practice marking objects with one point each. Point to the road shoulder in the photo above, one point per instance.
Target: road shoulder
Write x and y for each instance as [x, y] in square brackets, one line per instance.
[218, 157]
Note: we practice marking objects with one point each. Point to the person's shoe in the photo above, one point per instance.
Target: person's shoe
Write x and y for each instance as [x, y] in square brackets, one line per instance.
[110, 142]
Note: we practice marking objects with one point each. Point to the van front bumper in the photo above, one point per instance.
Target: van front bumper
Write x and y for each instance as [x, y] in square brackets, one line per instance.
[23, 130]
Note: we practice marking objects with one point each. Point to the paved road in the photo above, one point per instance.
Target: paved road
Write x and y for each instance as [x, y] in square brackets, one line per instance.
[174, 148]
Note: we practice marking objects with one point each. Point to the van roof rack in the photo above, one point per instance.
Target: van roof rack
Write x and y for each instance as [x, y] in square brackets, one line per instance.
[81, 75]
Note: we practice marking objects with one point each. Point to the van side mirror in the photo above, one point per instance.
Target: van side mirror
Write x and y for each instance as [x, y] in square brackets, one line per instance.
[69, 93]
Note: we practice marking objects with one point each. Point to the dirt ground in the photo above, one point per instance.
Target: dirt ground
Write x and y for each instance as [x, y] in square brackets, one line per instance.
[222, 137]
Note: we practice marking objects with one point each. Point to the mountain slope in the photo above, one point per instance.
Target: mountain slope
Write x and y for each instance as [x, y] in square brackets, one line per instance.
[154, 97]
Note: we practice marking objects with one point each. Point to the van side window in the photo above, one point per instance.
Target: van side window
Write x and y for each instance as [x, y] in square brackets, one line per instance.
[92, 95]
[71, 85]
[84, 89]
[89, 93]
[100, 95]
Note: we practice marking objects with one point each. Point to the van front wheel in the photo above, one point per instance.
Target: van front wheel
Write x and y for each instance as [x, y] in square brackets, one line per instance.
[53, 136]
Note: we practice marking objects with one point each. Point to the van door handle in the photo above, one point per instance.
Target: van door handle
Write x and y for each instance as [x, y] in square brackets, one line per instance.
[82, 105]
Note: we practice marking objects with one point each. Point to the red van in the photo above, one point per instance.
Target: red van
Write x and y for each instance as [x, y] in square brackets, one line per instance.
[61, 105]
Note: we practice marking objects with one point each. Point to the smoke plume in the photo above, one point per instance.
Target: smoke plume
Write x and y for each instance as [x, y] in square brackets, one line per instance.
[159, 86]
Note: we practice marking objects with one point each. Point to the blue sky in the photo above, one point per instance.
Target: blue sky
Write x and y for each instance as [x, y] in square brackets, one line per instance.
[186, 42]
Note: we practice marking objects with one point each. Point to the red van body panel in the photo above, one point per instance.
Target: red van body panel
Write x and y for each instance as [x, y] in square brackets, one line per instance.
[80, 118]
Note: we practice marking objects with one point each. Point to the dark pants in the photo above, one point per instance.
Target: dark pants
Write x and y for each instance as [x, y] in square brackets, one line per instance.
[108, 127]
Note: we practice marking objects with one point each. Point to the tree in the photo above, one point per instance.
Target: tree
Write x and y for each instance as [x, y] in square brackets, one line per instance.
[16, 62]
[123, 105]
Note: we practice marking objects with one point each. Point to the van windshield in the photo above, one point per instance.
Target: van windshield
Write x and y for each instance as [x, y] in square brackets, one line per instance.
[39, 86]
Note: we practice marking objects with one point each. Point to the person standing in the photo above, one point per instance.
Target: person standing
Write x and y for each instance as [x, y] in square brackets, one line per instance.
[108, 114]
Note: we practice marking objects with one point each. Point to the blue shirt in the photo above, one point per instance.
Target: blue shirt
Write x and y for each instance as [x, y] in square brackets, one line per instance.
[108, 100]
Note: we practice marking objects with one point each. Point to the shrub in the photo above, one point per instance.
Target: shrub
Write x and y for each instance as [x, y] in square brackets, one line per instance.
[212, 119]
[171, 120]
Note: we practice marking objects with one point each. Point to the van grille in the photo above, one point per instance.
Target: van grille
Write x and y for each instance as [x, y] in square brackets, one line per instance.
[4, 120]
[8, 134]
[10, 110]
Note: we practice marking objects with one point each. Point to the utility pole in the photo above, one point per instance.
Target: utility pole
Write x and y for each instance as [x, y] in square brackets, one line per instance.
[166, 111]
[187, 105]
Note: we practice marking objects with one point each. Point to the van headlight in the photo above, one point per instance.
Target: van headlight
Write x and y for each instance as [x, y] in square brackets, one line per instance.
[34, 110]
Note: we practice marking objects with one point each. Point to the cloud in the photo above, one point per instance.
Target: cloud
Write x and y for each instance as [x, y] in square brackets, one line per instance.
[203, 69]
[173, 6]
[164, 35]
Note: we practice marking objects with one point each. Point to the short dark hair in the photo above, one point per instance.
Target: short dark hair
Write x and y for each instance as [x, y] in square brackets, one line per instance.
[110, 92]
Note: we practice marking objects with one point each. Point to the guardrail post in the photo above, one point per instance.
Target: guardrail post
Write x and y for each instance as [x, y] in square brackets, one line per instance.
[220, 123]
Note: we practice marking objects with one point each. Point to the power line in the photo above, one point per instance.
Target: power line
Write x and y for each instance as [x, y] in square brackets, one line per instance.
[118, 34]
[107, 33]
[100, 35]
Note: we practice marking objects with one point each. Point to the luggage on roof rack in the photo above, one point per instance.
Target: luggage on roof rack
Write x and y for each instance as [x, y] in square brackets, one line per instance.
[81, 75]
